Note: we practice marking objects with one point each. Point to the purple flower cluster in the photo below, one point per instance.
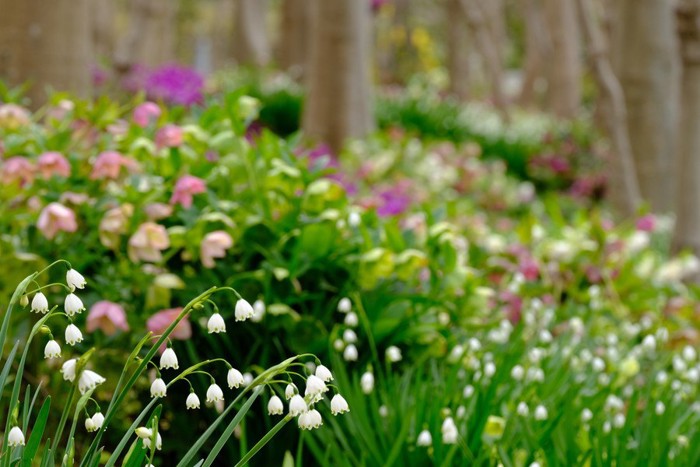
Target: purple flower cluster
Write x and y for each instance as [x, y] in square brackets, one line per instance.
[175, 84]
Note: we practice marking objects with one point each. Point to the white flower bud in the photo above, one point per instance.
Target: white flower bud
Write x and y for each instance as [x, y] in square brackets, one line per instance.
[75, 280]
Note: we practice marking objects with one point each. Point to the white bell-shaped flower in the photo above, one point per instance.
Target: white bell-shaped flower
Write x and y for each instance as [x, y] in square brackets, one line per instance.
[216, 324]
[90, 425]
[339, 405]
[169, 359]
[259, 309]
[324, 373]
[449, 431]
[158, 388]
[89, 380]
[73, 334]
[98, 419]
[351, 319]
[192, 401]
[350, 353]
[314, 386]
[214, 393]
[297, 405]
[310, 420]
[244, 310]
[52, 350]
[425, 439]
[75, 280]
[541, 413]
[367, 382]
[234, 378]
[73, 304]
[159, 442]
[39, 303]
[68, 369]
[275, 406]
[15, 437]
[344, 305]
[290, 391]
[393, 354]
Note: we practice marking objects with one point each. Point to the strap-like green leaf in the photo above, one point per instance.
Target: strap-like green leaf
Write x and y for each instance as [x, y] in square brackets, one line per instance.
[34, 442]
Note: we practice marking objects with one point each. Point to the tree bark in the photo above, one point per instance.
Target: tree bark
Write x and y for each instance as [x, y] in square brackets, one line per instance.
[688, 195]
[251, 44]
[103, 13]
[623, 188]
[564, 80]
[338, 82]
[47, 43]
[537, 48]
[150, 39]
[457, 49]
[645, 62]
[293, 46]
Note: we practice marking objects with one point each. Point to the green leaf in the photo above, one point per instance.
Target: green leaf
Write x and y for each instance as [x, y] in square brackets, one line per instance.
[34, 442]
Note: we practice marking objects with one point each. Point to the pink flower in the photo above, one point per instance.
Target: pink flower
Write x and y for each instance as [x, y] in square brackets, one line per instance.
[145, 113]
[147, 243]
[13, 116]
[53, 163]
[61, 110]
[170, 136]
[157, 211]
[185, 188]
[118, 128]
[160, 321]
[214, 245]
[18, 169]
[646, 223]
[109, 164]
[71, 197]
[56, 218]
[114, 224]
[107, 316]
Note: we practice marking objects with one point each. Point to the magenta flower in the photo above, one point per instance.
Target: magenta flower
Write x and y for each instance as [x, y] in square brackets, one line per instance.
[17, 169]
[160, 321]
[169, 136]
[214, 245]
[146, 113]
[56, 218]
[175, 84]
[185, 188]
[646, 223]
[53, 163]
[109, 164]
[148, 242]
[108, 317]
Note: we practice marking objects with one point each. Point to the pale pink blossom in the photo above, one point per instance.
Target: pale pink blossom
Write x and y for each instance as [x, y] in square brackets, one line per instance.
[214, 245]
[108, 317]
[61, 110]
[71, 197]
[53, 163]
[56, 218]
[185, 188]
[148, 242]
[13, 116]
[145, 113]
[169, 136]
[114, 224]
[109, 164]
[18, 169]
[158, 211]
[118, 128]
[160, 321]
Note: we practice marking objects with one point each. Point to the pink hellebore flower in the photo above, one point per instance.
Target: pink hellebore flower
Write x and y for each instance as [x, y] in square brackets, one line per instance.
[169, 136]
[160, 321]
[158, 211]
[114, 224]
[53, 163]
[13, 116]
[214, 245]
[145, 113]
[17, 169]
[147, 243]
[185, 188]
[646, 223]
[109, 164]
[56, 218]
[107, 316]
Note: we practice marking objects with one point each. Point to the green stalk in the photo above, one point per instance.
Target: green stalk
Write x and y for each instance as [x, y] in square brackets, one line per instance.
[265, 439]
[64, 418]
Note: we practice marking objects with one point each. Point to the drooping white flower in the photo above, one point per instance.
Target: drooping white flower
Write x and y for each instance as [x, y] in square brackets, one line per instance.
[489, 369]
[660, 408]
[297, 405]
[523, 410]
[90, 425]
[68, 369]
[275, 406]
[349, 336]
[619, 420]
[234, 378]
[517, 372]
[143, 432]
[169, 359]
[73, 334]
[541, 413]
[159, 442]
[75, 280]
[586, 415]
[259, 309]
[73, 304]
[344, 305]
[367, 382]
[339, 405]
[338, 345]
[310, 420]
[354, 219]
[383, 411]
[393, 354]
[216, 324]
[468, 391]
[350, 353]
[192, 401]
[649, 343]
[214, 393]
[351, 319]
[425, 439]
[290, 391]
[158, 388]
[39, 303]
[89, 380]
[315, 387]
[449, 431]
[98, 419]
[15, 437]
[324, 373]
[52, 350]
[247, 378]
[244, 310]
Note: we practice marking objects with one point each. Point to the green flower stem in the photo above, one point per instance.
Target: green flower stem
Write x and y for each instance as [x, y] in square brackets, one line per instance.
[263, 441]
[64, 417]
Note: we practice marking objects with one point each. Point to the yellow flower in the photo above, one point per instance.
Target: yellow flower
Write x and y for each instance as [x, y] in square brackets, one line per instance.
[495, 426]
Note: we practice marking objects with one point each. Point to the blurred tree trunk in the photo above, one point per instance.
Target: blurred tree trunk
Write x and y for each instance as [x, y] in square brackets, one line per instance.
[251, 45]
[564, 62]
[483, 25]
[103, 13]
[47, 43]
[293, 46]
[688, 195]
[338, 82]
[150, 38]
[536, 50]
[645, 62]
[623, 188]
[457, 49]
